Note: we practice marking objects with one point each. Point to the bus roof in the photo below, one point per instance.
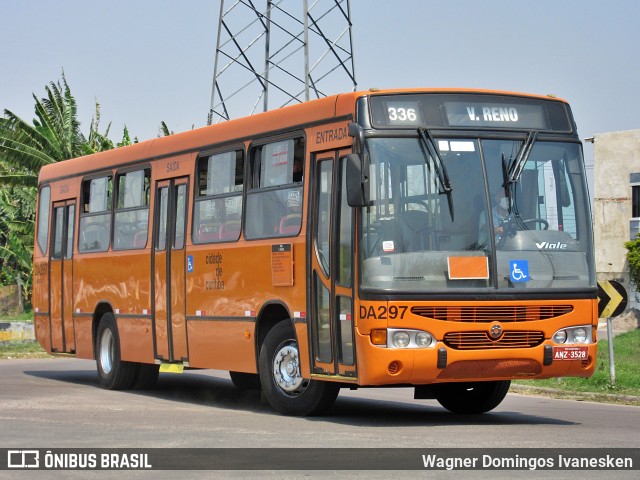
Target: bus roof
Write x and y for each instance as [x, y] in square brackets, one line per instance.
[237, 130]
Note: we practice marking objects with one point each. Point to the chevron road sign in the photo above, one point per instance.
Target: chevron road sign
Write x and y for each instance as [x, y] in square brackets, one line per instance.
[612, 299]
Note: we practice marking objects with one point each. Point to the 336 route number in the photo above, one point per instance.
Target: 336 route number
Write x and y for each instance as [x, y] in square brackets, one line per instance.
[402, 114]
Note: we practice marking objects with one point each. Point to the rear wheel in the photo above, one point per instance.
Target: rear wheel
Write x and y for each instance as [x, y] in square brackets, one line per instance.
[113, 373]
[283, 386]
[471, 397]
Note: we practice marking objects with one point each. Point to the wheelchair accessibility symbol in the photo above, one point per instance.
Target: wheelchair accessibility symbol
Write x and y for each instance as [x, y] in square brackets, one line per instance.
[519, 270]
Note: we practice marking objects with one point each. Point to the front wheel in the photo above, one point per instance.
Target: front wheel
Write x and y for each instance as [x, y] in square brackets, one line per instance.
[471, 397]
[113, 373]
[283, 386]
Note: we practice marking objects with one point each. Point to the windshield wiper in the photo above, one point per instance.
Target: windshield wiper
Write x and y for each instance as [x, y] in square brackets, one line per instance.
[505, 181]
[517, 165]
[438, 165]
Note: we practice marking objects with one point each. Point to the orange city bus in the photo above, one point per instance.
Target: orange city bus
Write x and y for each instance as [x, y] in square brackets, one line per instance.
[433, 238]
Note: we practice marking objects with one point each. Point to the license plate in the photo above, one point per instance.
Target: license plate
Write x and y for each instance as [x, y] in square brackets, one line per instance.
[570, 353]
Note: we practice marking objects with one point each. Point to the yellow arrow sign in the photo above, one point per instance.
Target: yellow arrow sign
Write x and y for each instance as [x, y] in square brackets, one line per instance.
[616, 297]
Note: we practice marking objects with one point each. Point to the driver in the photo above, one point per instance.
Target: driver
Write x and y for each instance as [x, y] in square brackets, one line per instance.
[499, 213]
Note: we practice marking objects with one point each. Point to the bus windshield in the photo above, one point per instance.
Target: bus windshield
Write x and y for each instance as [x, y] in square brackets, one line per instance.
[504, 221]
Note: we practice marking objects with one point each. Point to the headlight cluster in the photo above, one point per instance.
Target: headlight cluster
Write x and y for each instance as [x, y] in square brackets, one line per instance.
[400, 338]
[571, 335]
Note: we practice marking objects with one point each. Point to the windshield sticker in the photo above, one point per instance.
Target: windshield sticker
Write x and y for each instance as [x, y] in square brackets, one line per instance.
[468, 268]
[456, 146]
[460, 146]
[388, 246]
[519, 270]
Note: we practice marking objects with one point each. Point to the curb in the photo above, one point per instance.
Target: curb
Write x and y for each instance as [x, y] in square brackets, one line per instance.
[16, 331]
[573, 395]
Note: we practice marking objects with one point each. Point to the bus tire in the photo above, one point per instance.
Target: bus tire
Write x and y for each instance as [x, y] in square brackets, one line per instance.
[283, 386]
[471, 397]
[245, 381]
[147, 376]
[113, 373]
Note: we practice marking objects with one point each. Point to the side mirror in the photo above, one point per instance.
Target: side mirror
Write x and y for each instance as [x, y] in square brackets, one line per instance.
[357, 180]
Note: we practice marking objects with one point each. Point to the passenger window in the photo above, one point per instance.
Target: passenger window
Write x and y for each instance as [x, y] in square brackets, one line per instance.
[218, 204]
[95, 220]
[43, 218]
[131, 221]
[274, 202]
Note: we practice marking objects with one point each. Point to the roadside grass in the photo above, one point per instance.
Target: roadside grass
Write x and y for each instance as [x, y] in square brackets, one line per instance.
[26, 316]
[626, 357]
[22, 349]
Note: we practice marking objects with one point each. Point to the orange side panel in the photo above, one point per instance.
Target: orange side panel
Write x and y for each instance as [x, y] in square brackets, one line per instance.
[136, 339]
[84, 337]
[223, 345]
[41, 327]
[40, 297]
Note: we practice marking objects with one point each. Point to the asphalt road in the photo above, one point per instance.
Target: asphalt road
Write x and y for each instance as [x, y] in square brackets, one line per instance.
[57, 403]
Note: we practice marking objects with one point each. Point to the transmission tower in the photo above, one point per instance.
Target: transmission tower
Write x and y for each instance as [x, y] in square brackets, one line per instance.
[283, 53]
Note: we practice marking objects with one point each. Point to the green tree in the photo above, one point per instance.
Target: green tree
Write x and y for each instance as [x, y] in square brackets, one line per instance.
[633, 260]
[25, 148]
[98, 142]
[55, 135]
[163, 130]
[17, 210]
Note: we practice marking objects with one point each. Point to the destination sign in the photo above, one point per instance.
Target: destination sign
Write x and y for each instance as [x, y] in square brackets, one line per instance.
[500, 115]
[469, 110]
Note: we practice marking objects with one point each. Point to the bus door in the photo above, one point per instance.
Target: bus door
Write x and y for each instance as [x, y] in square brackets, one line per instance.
[332, 335]
[61, 277]
[170, 222]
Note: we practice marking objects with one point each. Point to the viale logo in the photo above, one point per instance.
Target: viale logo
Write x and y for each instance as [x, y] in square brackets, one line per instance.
[551, 246]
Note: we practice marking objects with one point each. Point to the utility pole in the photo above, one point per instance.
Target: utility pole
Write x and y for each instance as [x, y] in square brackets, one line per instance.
[274, 55]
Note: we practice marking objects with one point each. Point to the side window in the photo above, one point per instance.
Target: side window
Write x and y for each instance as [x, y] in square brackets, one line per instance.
[323, 214]
[95, 217]
[345, 232]
[43, 218]
[274, 201]
[131, 221]
[218, 203]
[58, 233]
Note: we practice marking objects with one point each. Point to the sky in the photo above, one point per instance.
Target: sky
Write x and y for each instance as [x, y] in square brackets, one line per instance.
[148, 61]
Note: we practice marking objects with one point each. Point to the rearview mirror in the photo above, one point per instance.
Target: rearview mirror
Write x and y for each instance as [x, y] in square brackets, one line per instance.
[357, 180]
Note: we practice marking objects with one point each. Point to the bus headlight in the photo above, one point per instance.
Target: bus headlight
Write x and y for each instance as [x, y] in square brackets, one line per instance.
[424, 339]
[403, 338]
[400, 339]
[560, 336]
[581, 334]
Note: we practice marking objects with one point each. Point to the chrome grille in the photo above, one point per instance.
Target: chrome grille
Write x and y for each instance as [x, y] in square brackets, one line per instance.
[477, 340]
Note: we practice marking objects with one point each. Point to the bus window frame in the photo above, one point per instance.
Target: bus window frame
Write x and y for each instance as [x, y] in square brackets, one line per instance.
[81, 214]
[252, 177]
[234, 147]
[115, 196]
[39, 224]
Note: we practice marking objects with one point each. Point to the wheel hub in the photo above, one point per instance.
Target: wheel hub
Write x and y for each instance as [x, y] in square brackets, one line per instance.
[286, 369]
[106, 351]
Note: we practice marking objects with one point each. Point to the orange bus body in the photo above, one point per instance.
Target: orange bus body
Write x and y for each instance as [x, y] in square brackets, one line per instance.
[212, 305]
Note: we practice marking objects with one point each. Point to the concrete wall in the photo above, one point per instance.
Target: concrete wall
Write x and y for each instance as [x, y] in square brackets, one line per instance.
[616, 166]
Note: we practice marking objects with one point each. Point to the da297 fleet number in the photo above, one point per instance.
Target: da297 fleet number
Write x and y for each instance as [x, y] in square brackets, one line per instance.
[382, 312]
